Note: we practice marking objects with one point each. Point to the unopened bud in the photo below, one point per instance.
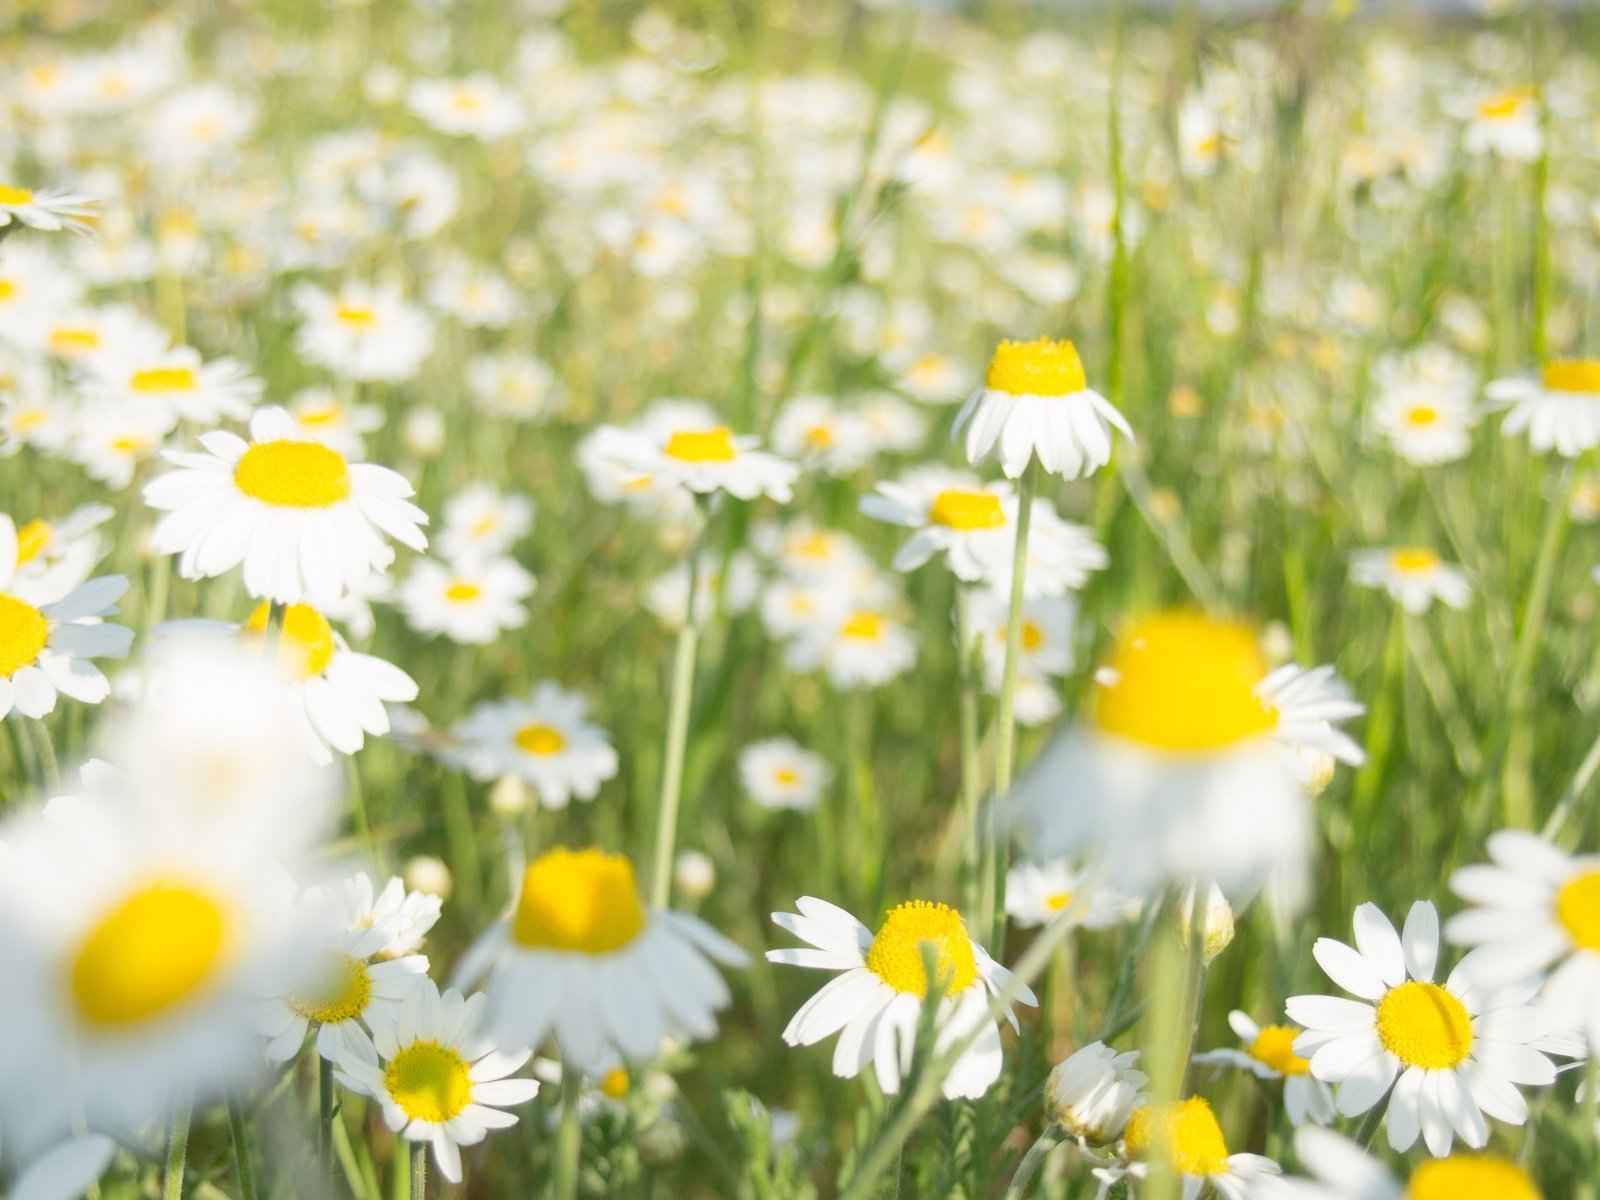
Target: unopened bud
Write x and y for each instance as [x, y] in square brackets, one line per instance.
[429, 875]
[1218, 921]
[508, 797]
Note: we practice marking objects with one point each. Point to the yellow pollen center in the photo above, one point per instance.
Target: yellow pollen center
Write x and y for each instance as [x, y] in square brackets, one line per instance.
[461, 591]
[429, 1082]
[540, 739]
[896, 953]
[15, 195]
[305, 639]
[1471, 1177]
[1183, 1136]
[818, 545]
[1504, 104]
[863, 626]
[1572, 375]
[1057, 901]
[702, 445]
[342, 994]
[32, 538]
[1042, 368]
[484, 526]
[7, 289]
[585, 901]
[356, 315]
[1424, 1026]
[326, 415]
[1182, 681]
[1578, 907]
[786, 776]
[615, 1083]
[155, 949]
[70, 340]
[162, 381]
[958, 509]
[1274, 1046]
[1413, 560]
[293, 474]
[1422, 416]
[820, 436]
[1032, 636]
[23, 634]
[132, 443]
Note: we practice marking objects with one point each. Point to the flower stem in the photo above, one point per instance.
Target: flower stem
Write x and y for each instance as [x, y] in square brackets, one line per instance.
[45, 749]
[1031, 1162]
[177, 1147]
[241, 1149]
[569, 1135]
[971, 786]
[324, 1118]
[419, 1170]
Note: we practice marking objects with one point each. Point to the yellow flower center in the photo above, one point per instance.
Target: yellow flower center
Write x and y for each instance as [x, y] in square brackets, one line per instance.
[1422, 416]
[1471, 1177]
[864, 626]
[1504, 104]
[1032, 636]
[540, 739]
[132, 443]
[32, 538]
[155, 949]
[70, 340]
[327, 414]
[1412, 560]
[469, 103]
[485, 525]
[1183, 1136]
[356, 315]
[7, 289]
[461, 591]
[959, 509]
[429, 1082]
[820, 436]
[1274, 1046]
[1183, 681]
[1057, 901]
[342, 994]
[579, 900]
[162, 381]
[1424, 1026]
[1572, 375]
[1041, 368]
[15, 195]
[1578, 907]
[23, 633]
[293, 474]
[702, 445]
[305, 639]
[615, 1083]
[896, 953]
[786, 776]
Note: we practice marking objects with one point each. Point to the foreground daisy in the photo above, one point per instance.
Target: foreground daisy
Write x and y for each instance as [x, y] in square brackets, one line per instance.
[953, 513]
[1450, 1053]
[1269, 1055]
[581, 959]
[306, 524]
[1414, 576]
[1036, 401]
[1559, 409]
[437, 1073]
[1341, 1170]
[1182, 1138]
[876, 1002]
[545, 740]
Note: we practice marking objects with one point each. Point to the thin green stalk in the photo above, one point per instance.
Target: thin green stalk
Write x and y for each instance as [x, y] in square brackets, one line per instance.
[971, 783]
[569, 1135]
[462, 837]
[1436, 680]
[358, 810]
[240, 1135]
[1381, 725]
[1369, 1125]
[1032, 1161]
[324, 1118]
[45, 749]
[177, 1147]
[419, 1170]
[863, 791]
[1574, 791]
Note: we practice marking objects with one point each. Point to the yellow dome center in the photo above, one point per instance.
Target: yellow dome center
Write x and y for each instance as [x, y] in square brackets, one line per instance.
[15, 195]
[896, 953]
[1182, 681]
[585, 901]
[614, 1084]
[32, 538]
[1422, 416]
[163, 381]
[1412, 560]
[342, 994]
[1471, 1177]
[356, 315]
[965, 510]
[461, 591]
[1424, 1026]
[864, 626]
[1572, 375]
[429, 1082]
[1032, 636]
[23, 633]
[305, 639]
[1183, 1136]
[702, 445]
[293, 474]
[1274, 1047]
[1578, 907]
[1042, 368]
[71, 340]
[540, 739]
[154, 950]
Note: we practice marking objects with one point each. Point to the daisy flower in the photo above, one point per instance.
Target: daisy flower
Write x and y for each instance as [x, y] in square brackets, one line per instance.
[1094, 1091]
[53, 557]
[934, 378]
[1060, 556]
[469, 600]
[437, 1073]
[1035, 402]
[1036, 893]
[876, 1002]
[1504, 123]
[111, 444]
[1450, 1053]
[305, 523]
[861, 647]
[1414, 576]
[1339, 1169]
[320, 416]
[1182, 1137]
[65, 1170]
[1559, 410]
[408, 913]
[814, 430]
[474, 106]
[892, 426]
[953, 513]
[729, 589]
[174, 383]
[1269, 1055]
[779, 773]
[361, 332]
[47, 209]
[482, 520]
[581, 959]
[544, 740]
[705, 459]
[1425, 426]
[1536, 910]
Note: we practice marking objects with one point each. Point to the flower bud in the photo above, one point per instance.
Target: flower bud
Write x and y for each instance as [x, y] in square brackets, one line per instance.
[1094, 1091]
[1219, 919]
[694, 874]
[428, 875]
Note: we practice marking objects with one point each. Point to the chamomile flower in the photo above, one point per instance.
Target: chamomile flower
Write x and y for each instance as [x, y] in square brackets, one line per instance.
[1450, 1053]
[1094, 1091]
[1503, 123]
[320, 416]
[856, 647]
[46, 209]
[175, 383]
[362, 333]
[437, 1072]
[814, 430]
[544, 740]
[1059, 558]
[1268, 1054]
[470, 600]
[1537, 911]
[1044, 651]
[1036, 403]
[952, 513]
[482, 520]
[1036, 893]
[112, 443]
[475, 106]
[1414, 577]
[580, 958]
[779, 773]
[1559, 410]
[306, 524]
[408, 913]
[705, 459]
[1425, 426]
[1182, 1137]
[876, 1002]
[53, 557]
[1339, 1169]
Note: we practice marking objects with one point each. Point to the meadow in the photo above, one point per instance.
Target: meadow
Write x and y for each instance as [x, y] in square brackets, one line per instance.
[799, 600]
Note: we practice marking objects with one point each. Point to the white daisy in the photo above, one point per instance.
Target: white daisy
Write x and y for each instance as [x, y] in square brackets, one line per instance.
[1060, 557]
[48, 209]
[814, 430]
[544, 740]
[474, 106]
[408, 913]
[1094, 1091]
[305, 523]
[856, 648]
[438, 1074]
[876, 1002]
[362, 333]
[470, 600]
[112, 443]
[728, 588]
[1559, 410]
[1450, 1053]
[1503, 123]
[484, 521]
[1341, 1170]
[1269, 1055]
[704, 459]
[1035, 402]
[1425, 426]
[320, 416]
[53, 557]
[1036, 893]
[952, 512]
[1414, 576]
[175, 383]
[779, 773]
[1182, 1137]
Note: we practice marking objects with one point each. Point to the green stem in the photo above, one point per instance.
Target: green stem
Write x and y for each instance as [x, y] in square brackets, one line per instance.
[1574, 791]
[971, 784]
[324, 1118]
[1031, 1162]
[1369, 1125]
[462, 838]
[45, 749]
[419, 1170]
[177, 1147]
[241, 1149]
[569, 1135]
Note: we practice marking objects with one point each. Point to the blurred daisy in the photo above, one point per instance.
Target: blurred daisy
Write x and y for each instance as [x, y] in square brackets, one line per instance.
[1036, 893]
[47, 209]
[813, 430]
[779, 773]
[952, 513]
[320, 416]
[705, 459]
[1035, 402]
[111, 444]
[727, 587]
[53, 557]
[581, 959]
[891, 425]
[544, 740]
[1414, 576]
[862, 647]
[476, 298]
[438, 1074]
[876, 1002]
[1044, 651]
[1182, 1137]
[1425, 427]
[482, 520]
[934, 378]
[1504, 123]
[1559, 410]
[408, 914]
[1269, 1054]
[1339, 1169]
[474, 106]
[470, 600]
[1451, 1054]
[361, 332]
[175, 383]
[1060, 557]
[305, 523]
